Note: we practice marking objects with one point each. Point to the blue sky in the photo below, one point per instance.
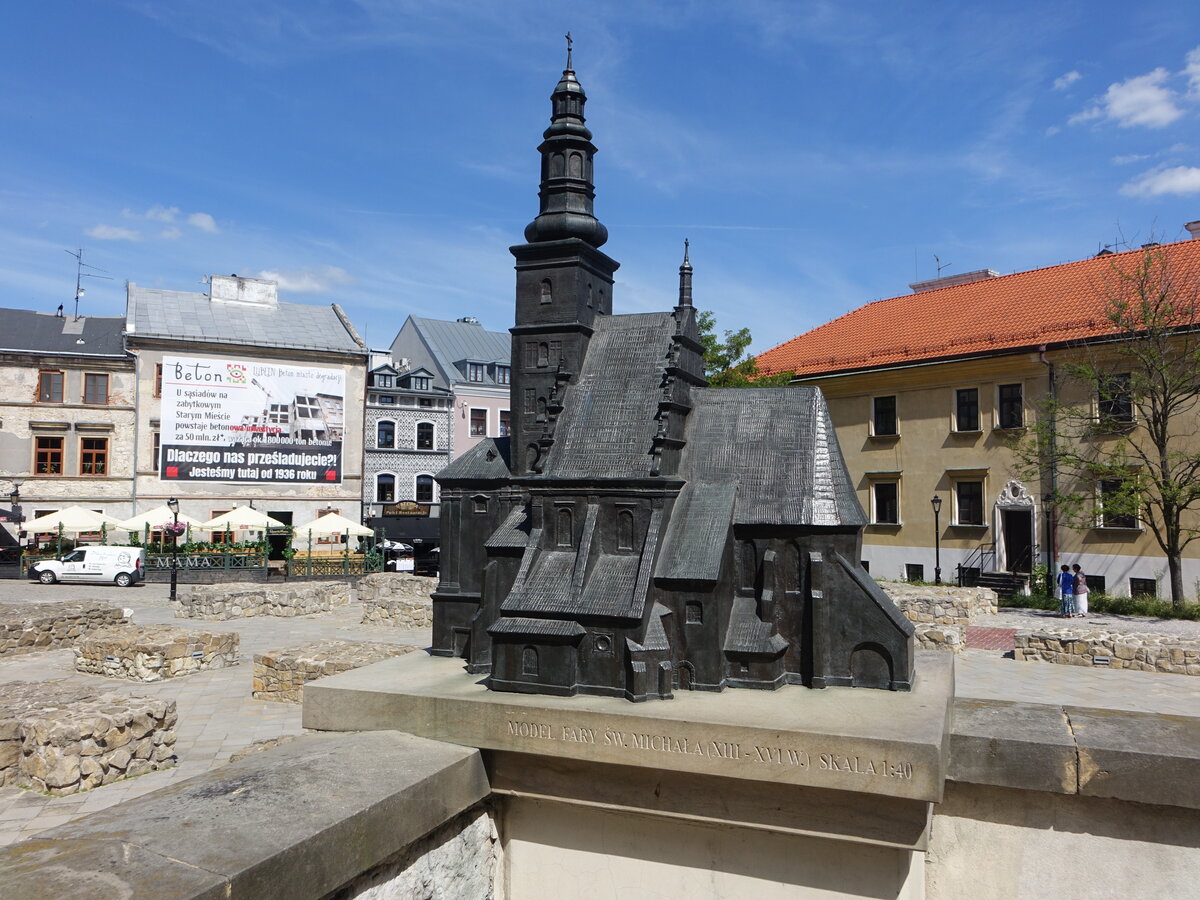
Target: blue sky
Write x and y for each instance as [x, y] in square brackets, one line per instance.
[381, 153]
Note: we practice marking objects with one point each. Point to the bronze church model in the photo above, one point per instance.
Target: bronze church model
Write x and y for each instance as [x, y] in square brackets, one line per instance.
[639, 532]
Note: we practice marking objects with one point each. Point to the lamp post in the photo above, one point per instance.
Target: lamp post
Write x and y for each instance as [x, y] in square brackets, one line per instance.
[936, 503]
[173, 506]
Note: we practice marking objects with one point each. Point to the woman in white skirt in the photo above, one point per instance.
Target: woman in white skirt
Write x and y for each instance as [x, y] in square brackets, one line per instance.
[1081, 591]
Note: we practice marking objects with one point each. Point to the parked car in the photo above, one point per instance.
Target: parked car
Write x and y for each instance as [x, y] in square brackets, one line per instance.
[121, 566]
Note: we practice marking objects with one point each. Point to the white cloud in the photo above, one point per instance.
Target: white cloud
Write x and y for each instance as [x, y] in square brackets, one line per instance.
[1062, 82]
[153, 214]
[1129, 158]
[1192, 70]
[309, 279]
[1142, 100]
[204, 222]
[112, 233]
[170, 234]
[1176, 180]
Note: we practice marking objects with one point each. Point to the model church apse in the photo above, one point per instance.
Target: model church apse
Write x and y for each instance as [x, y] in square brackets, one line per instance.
[637, 532]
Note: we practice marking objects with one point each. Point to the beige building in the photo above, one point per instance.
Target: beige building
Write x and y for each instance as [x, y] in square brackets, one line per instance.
[929, 390]
[67, 398]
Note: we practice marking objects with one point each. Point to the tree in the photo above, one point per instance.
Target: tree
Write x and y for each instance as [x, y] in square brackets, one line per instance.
[725, 361]
[1123, 442]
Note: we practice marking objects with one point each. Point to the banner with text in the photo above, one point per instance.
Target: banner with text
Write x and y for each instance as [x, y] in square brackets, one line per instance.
[235, 420]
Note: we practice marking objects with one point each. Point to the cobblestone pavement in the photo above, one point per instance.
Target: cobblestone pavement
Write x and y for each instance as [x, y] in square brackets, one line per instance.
[1027, 619]
[217, 715]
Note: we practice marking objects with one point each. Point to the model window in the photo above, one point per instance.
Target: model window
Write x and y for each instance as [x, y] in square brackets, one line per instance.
[48, 456]
[547, 295]
[1116, 400]
[424, 489]
[885, 503]
[502, 374]
[93, 456]
[478, 423]
[529, 661]
[1011, 412]
[543, 354]
[883, 416]
[505, 423]
[385, 435]
[424, 435]
[563, 531]
[966, 409]
[479, 504]
[694, 613]
[624, 529]
[475, 371]
[50, 387]
[968, 503]
[385, 488]
[1118, 503]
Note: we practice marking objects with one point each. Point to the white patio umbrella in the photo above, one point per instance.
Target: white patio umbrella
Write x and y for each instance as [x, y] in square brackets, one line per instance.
[330, 524]
[155, 518]
[73, 519]
[241, 517]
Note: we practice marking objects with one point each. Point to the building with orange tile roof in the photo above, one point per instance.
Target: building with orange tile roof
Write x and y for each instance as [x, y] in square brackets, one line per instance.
[927, 392]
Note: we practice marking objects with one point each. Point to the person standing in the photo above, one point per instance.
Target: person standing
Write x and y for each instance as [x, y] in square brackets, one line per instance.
[1066, 593]
[1081, 591]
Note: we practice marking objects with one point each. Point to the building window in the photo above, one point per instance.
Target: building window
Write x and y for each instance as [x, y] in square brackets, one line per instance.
[422, 383]
[158, 379]
[50, 387]
[383, 381]
[478, 423]
[914, 572]
[966, 409]
[479, 504]
[385, 400]
[95, 389]
[502, 374]
[1118, 503]
[93, 456]
[1115, 401]
[1011, 406]
[475, 371]
[505, 423]
[424, 489]
[424, 435]
[385, 435]
[1142, 587]
[885, 503]
[968, 503]
[48, 456]
[385, 488]
[883, 416]
[157, 440]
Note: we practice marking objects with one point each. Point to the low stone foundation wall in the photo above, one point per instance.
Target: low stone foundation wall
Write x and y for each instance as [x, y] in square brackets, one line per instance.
[281, 674]
[941, 637]
[25, 627]
[62, 738]
[236, 601]
[941, 605]
[154, 652]
[398, 600]
[1115, 650]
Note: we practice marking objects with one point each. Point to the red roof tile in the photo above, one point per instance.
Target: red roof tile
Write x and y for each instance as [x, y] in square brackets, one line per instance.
[1027, 309]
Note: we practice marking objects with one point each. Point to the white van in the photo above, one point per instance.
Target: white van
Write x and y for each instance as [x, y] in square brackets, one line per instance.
[121, 566]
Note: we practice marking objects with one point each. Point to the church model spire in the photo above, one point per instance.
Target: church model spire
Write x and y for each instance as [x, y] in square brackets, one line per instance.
[567, 192]
[685, 278]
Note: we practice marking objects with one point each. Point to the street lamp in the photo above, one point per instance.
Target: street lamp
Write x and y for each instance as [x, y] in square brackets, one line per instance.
[936, 503]
[173, 506]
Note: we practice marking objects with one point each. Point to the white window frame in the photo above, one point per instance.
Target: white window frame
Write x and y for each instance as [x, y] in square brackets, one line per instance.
[486, 421]
[379, 422]
[978, 429]
[433, 481]
[874, 479]
[1100, 524]
[416, 435]
[395, 487]
[895, 415]
[957, 478]
[997, 425]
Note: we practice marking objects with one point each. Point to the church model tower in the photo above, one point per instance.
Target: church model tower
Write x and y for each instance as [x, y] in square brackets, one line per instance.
[639, 532]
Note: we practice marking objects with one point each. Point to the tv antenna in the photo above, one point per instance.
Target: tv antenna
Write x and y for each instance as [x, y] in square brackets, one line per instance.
[80, 265]
[940, 265]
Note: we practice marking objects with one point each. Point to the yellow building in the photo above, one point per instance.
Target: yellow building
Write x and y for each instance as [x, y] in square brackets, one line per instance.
[929, 390]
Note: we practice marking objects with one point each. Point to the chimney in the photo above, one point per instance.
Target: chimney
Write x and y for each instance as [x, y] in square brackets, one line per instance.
[234, 289]
[1194, 229]
[933, 284]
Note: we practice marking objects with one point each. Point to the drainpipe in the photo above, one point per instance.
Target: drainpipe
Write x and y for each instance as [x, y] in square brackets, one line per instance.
[1052, 506]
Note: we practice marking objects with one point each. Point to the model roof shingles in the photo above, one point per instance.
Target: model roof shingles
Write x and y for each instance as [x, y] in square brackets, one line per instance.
[1027, 309]
[187, 315]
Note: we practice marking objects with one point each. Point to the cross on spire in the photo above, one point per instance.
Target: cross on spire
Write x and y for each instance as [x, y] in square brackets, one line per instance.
[569, 42]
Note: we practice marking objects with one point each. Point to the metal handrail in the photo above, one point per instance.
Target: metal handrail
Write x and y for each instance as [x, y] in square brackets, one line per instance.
[977, 559]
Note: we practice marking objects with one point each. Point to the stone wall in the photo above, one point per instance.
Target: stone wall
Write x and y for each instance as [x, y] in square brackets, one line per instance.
[154, 652]
[944, 605]
[282, 674]
[1116, 650]
[61, 738]
[236, 601]
[47, 626]
[397, 599]
[930, 636]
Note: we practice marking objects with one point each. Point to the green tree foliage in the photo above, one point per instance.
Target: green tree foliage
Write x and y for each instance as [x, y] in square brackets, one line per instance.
[726, 363]
[1129, 455]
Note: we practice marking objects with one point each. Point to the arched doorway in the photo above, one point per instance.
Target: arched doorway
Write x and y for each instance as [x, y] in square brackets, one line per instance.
[1015, 529]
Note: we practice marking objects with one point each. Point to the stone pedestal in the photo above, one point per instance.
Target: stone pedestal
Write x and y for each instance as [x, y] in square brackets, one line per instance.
[819, 790]
[154, 652]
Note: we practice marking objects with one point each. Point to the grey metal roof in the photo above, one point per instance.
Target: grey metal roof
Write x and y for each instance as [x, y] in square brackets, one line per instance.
[450, 342]
[513, 531]
[486, 461]
[693, 548]
[25, 331]
[780, 446]
[192, 316]
[607, 426]
[748, 633]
